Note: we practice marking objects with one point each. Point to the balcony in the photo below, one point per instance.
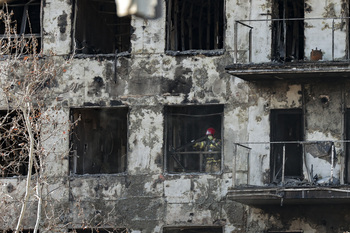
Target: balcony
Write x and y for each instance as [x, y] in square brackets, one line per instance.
[299, 172]
[291, 49]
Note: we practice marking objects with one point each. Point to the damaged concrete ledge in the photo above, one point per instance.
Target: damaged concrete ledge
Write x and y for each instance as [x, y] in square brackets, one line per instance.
[257, 196]
[290, 70]
[105, 56]
[209, 53]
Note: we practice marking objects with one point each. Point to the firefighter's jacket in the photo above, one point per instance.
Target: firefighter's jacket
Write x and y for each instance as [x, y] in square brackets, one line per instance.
[209, 145]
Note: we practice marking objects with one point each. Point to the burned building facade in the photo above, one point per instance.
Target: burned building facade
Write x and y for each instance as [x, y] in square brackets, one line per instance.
[270, 76]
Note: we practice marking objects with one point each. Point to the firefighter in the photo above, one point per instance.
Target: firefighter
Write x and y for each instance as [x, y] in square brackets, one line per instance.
[210, 144]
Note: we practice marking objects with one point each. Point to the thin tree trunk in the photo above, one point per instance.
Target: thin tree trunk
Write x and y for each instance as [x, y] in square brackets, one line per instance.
[38, 214]
[26, 113]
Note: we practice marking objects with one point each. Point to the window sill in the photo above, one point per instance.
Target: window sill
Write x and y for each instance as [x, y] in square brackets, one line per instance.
[106, 56]
[97, 175]
[209, 53]
[193, 174]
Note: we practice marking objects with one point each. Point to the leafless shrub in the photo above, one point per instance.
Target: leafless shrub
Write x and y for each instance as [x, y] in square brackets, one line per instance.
[27, 81]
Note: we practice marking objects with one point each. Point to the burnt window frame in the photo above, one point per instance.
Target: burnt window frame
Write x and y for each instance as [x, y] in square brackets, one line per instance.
[280, 36]
[175, 30]
[79, 47]
[275, 172]
[25, 23]
[75, 155]
[199, 132]
[194, 229]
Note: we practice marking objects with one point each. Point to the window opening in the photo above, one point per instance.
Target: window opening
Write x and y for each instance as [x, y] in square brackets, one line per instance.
[288, 35]
[193, 138]
[286, 125]
[215, 229]
[25, 22]
[99, 141]
[195, 24]
[98, 29]
[14, 145]
[347, 134]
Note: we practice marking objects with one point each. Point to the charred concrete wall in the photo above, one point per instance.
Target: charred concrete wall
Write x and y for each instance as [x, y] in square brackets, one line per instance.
[299, 218]
[145, 198]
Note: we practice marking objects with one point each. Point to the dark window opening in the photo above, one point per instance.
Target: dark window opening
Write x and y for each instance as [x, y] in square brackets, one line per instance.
[25, 23]
[14, 145]
[195, 24]
[347, 146]
[288, 35]
[98, 29]
[188, 147]
[99, 230]
[286, 125]
[193, 229]
[99, 141]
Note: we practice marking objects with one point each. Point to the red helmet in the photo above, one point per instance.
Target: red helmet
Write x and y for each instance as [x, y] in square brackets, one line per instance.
[210, 131]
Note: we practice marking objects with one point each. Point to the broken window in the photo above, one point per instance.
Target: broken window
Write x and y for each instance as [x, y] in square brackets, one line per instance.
[99, 230]
[99, 141]
[98, 29]
[25, 23]
[195, 24]
[286, 126]
[288, 30]
[213, 229]
[188, 147]
[14, 145]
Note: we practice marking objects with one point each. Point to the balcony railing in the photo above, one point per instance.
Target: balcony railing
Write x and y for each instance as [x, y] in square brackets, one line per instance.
[256, 43]
[249, 167]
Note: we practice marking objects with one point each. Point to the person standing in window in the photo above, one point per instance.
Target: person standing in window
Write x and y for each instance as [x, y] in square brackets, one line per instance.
[213, 146]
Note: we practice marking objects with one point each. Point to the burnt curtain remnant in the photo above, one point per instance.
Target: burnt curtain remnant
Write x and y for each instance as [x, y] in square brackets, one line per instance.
[99, 141]
[288, 30]
[195, 24]
[286, 126]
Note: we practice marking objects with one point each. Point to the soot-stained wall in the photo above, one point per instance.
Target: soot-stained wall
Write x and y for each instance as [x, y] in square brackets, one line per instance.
[145, 198]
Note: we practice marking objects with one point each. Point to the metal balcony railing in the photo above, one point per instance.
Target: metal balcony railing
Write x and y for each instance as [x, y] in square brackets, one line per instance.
[257, 40]
[282, 156]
